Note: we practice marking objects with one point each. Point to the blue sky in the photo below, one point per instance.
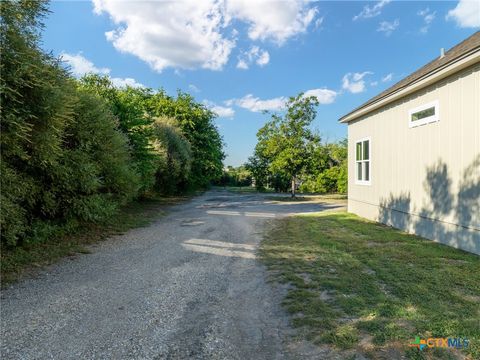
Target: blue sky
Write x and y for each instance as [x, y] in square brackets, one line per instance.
[240, 57]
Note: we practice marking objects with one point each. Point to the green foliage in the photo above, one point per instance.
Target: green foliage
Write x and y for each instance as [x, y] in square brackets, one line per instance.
[288, 151]
[128, 105]
[243, 177]
[258, 167]
[95, 173]
[331, 180]
[174, 170]
[36, 106]
[137, 109]
[197, 125]
[14, 191]
[287, 141]
[74, 151]
[237, 177]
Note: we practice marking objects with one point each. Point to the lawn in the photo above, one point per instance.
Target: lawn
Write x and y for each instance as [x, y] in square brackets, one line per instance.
[244, 189]
[356, 286]
[308, 198]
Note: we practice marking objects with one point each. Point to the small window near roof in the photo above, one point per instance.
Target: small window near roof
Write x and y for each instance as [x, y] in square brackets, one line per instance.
[362, 162]
[424, 114]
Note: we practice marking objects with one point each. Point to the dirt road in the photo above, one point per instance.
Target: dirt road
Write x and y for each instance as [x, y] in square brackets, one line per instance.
[188, 286]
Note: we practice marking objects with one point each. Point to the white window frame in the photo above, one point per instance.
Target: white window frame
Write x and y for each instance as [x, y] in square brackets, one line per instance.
[433, 118]
[359, 181]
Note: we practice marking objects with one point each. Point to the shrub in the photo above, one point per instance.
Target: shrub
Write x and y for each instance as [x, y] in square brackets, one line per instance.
[197, 125]
[174, 168]
[128, 106]
[63, 158]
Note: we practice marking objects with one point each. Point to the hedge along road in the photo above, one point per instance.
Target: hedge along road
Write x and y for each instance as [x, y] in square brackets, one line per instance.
[189, 286]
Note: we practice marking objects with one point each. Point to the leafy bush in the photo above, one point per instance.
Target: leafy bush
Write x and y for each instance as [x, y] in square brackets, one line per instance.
[63, 158]
[174, 167]
[137, 110]
[74, 151]
[14, 193]
[197, 125]
[332, 180]
[96, 174]
[327, 180]
[308, 186]
[36, 105]
[128, 106]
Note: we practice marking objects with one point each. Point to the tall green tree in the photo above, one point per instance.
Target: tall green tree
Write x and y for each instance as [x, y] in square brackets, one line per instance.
[128, 105]
[63, 159]
[176, 156]
[287, 142]
[327, 171]
[258, 166]
[36, 104]
[197, 125]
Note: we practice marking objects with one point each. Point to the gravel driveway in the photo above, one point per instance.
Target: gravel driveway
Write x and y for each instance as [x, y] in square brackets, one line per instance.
[186, 287]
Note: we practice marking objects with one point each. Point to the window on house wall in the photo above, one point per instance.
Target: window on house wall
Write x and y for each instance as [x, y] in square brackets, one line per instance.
[362, 162]
[424, 114]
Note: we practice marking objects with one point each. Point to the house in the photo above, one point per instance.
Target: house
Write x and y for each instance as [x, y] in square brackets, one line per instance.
[414, 151]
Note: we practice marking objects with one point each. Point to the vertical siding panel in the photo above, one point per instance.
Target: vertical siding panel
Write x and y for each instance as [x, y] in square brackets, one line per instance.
[402, 155]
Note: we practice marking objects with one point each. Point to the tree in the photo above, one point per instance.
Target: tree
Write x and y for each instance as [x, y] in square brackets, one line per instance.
[327, 172]
[197, 125]
[128, 105]
[239, 176]
[174, 149]
[36, 104]
[287, 142]
[63, 158]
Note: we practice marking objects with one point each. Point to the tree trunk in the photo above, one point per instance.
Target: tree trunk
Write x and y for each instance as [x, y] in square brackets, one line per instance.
[293, 187]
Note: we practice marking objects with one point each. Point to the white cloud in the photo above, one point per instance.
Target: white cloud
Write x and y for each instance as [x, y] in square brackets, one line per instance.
[371, 11]
[355, 82]
[264, 58]
[388, 27]
[269, 20]
[428, 16]
[466, 14]
[124, 82]
[221, 111]
[374, 83]
[80, 66]
[184, 34]
[387, 77]
[255, 54]
[319, 22]
[191, 34]
[193, 88]
[324, 96]
[255, 104]
[242, 64]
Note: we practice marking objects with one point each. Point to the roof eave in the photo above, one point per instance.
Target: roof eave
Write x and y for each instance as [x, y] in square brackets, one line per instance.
[438, 74]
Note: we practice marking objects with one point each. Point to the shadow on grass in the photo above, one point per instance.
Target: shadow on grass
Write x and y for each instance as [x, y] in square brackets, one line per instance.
[367, 287]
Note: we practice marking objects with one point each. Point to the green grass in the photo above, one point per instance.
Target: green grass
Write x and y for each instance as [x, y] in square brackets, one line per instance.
[363, 286]
[73, 239]
[309, 198]
[244, 189]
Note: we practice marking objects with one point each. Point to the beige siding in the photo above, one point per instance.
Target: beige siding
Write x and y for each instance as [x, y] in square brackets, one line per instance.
[425, 179]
